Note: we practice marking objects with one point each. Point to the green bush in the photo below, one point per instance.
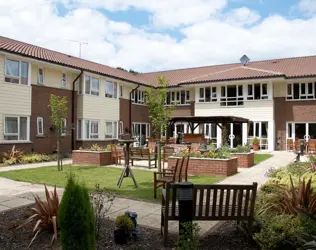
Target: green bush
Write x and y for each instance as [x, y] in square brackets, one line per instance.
[241, 149]
[76, 218]
[124, 222]
[189, 237]
[275, 230]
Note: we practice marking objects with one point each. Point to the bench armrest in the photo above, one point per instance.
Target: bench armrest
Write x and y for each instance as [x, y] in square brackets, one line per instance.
[163, 193]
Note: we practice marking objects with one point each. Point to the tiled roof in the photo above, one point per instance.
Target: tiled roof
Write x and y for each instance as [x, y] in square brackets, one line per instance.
[287, 67]
[13, 46]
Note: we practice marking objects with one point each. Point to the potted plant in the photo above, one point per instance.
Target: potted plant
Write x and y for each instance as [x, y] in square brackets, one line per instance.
[124, 224]
[255, 144]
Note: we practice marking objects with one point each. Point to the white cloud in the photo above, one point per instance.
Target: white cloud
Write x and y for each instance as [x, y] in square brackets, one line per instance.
[211, 40]
[307, 6]
[242, 16]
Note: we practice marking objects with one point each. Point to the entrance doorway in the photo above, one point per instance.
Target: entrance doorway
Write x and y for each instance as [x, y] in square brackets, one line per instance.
[140, 133]
[234, 134]
[260, 131]
[300, 131]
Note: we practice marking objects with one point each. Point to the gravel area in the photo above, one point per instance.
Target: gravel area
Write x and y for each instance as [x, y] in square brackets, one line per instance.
[226, 237]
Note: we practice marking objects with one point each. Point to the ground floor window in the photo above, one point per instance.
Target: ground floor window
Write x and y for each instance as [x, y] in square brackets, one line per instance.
[259, 130]
[40, 124]
[210, 131]
[301, 130]
[88, 129]
[111, 130]
[16, 128]
[141, 131]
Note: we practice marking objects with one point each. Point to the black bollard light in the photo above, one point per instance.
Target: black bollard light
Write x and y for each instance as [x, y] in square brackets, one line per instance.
[302, 147]
[185, 200]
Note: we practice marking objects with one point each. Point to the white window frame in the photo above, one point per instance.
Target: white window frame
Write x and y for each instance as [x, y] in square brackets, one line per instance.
[93, 135]
[302, 97]
[64, 82]
[262, 96]
[97, 91]
[63, 131]
[90, 135]
[239, 98]
[112, 134]
[113, 94]
[40, 119]
[121, 128]
[140, 96]
[173, 97]
[18, 133]
[17, 77]
[38, 76]
[204, 98]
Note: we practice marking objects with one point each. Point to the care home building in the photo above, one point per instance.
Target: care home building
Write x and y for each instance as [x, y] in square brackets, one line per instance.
[277, 96]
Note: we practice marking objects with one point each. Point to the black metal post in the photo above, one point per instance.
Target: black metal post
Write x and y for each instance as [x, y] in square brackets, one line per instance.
[130, 109]
[185, 199]
[302, 147]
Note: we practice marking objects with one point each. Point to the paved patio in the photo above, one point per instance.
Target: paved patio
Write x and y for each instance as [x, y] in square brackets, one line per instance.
[15, 194]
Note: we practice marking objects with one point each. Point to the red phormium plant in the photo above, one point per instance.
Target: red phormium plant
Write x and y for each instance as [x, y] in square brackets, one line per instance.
[45, 214]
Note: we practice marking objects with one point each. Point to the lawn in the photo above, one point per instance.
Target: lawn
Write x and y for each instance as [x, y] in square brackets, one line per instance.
[106, 177]
[261, 157]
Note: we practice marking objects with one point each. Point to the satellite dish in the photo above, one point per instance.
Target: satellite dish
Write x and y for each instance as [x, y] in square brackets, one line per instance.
[244, 60]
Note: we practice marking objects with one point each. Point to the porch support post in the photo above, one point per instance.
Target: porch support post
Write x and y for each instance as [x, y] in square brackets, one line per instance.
[224, 134]
[244, 133]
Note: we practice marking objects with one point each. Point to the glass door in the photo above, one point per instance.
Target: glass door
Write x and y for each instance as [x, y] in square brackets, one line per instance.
[260, 131]
[140, 133]
[210, 131]
[234, 134]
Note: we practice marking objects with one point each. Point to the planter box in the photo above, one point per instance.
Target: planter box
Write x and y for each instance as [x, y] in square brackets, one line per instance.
[245, 160]
[208, 166]
[93, 158]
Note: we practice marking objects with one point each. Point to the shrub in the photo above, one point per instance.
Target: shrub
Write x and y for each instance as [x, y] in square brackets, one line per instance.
[101, 202]
[124, 222]
[189, 237]
[275, 230]
[45, 215]
[241, 149]
[97, 147]
[76, 218]
[220, 153]
[13, 156]
[255, 140]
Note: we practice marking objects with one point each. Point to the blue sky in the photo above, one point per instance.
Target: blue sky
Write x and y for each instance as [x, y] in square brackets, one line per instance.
[149, 35]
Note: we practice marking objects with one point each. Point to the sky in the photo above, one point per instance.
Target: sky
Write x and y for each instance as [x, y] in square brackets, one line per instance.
[153, 35]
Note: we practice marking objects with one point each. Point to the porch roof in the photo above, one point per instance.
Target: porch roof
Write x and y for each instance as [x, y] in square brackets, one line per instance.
[209, 119]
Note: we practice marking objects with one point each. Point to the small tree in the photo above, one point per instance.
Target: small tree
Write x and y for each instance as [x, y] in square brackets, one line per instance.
[159, 113]
[59, 110]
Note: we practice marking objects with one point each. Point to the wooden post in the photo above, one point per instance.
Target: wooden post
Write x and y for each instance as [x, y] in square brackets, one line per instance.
[224, 134]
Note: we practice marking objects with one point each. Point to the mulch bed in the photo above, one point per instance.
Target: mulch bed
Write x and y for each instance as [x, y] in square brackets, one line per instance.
[224, 238]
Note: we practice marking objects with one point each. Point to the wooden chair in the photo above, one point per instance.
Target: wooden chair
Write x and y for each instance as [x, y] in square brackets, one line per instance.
[117, 154]
[195, 147]
[289, 144]
[171, 175]
[172, 140]
[167, 151]
[311, 146]
[297, 145]
[152, 146]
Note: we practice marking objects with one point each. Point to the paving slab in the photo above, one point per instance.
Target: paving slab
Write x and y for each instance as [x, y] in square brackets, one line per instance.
[3, 208]
[17, 202]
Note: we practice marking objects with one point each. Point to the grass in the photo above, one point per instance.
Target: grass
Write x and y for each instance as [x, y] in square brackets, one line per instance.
[106, 177]
[261, 157]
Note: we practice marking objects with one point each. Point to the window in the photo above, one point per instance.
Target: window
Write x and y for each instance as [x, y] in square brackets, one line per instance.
[80, 88]
[121, 90]
[181, 97]
[110, 129]
[138, 96]
[121, 128]
[63, 131]
[91, 86]
[88, 129]
[257, 91]
[16, 128]
[40, 77]
[64, 80]
[40, 125]
[16, 72]
[111, 89]
[208, 94]
[232, 95]
[301, 91]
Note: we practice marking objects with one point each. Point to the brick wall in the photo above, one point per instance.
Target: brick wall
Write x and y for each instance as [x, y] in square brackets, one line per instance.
[91, 158]
[209, 166]
[245, 160]
[294, 111]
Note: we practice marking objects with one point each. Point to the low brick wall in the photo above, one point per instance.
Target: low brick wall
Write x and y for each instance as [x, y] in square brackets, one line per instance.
[93, 158]
[207, 166]
[245, 160]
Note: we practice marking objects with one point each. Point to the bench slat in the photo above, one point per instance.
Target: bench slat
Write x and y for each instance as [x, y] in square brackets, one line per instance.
[208, 197]
[227, 202]
[234, 201]
[240, 196]
[174, 199]
[246, 203]
[214, 201]
[201, 201]
[221, 202]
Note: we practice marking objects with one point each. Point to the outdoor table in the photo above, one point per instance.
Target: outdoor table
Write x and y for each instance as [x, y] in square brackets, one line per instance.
[127, 171]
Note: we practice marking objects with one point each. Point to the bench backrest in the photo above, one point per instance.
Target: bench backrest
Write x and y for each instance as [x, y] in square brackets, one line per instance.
[193, 138]
[214, 202]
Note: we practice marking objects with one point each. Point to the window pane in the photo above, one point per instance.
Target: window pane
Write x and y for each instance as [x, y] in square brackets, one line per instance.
[80, 87]
[23, 128]
[39, 125]
[289, 89]
[40, 76]
[87, 84]
[296, 90]
[289, 130]
[12, 68]
[240, 92]
[213, 130]
[115, 130]
[257, 91]
[214, 92]
[303, 90]
[168, 98]
[201, 92]
[115, 90]
[264, 89]
[79, 129]
[86, 129]
[257, 129]
[250, 91]
[109, 89]
[207, 94]
[24, 73]
[11, 125]
[182, 97]
[310, 88]
[94, 130]
[108, 130]
[178, 96]
[95, 86]
[64, 80]
[188, 95]
[223, 91]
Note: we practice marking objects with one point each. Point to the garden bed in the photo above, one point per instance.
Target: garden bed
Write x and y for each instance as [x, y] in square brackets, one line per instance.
[209, 166]
[245, 160]
[226, 237]
[94, 158]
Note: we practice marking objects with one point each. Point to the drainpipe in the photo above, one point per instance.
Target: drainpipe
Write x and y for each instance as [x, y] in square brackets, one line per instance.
[73, 112]
[130, 109]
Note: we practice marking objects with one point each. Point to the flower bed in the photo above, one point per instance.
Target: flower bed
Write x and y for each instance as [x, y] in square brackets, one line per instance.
[94, 158]
[209, 166]
[245, 160]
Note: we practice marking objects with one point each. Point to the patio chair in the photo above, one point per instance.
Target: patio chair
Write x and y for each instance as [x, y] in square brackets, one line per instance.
[152, 146]
[167, 151]
[311, 146]
[117, 154]
[289, 144]
[194, 147]
[164, 177]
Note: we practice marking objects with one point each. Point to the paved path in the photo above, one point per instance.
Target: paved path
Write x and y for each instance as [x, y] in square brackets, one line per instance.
[15, 194]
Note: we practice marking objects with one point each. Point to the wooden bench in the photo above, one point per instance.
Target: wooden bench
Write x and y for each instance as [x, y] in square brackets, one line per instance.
[193, 138]
[211, 202]
[143, 154]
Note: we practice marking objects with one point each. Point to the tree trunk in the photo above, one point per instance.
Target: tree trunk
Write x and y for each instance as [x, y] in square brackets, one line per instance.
[58, 155]
[224, 134]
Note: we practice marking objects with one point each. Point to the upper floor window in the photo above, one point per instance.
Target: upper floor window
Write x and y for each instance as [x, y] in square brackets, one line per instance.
[16, 128]
[301, 91]
[232, 95]
[16, 71]
[64, 80]
[111, 89]
[40, 77]
[121, 91]
[208, 94]
[138, 96]
[181, 97]
[257, 91]
[92, 86]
